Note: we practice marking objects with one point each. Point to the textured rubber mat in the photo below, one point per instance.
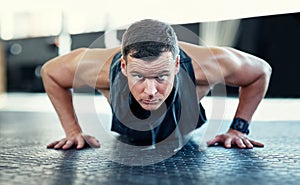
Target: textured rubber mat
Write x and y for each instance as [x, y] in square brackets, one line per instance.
[24, 158]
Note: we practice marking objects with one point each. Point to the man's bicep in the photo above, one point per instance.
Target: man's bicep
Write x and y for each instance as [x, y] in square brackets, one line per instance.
[214, 65]
[61, 69]
[239, 68]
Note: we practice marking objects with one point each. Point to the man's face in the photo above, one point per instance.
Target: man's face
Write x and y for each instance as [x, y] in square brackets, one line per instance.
[150, 82]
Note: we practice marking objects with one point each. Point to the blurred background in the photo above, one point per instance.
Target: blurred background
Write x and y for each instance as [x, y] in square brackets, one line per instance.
[32, 32]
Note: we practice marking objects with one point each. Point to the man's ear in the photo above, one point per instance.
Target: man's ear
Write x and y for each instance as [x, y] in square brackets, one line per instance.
[177, 64]
[123, 66]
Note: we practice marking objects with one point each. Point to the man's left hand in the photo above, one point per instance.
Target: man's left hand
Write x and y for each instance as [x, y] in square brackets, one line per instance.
[234, 138]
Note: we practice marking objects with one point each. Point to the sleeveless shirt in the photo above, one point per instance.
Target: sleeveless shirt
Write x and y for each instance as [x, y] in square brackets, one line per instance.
[181, 111]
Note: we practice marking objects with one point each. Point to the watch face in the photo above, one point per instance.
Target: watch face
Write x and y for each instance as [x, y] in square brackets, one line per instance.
[240, 125]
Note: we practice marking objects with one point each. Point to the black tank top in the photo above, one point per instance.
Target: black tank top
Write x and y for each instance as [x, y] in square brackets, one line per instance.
[179, 115]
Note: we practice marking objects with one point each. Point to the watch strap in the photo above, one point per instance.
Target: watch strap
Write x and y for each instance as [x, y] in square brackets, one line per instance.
[240, 125]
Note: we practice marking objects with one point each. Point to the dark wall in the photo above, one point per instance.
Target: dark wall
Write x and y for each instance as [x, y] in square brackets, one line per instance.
[188, 32]
[275, 39]
[89, 40]
[24, 58]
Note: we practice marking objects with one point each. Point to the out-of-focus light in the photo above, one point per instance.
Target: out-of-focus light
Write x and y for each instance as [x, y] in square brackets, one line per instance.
[6, 25]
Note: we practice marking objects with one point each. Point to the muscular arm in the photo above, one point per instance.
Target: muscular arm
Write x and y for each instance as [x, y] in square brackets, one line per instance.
[58, 76]
[214, 65]
[232, 67]
[249, 73]
[252, 76]
[80, 67]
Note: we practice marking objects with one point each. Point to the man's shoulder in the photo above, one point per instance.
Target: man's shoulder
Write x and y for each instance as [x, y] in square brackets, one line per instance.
[189, 47]
[195, 52]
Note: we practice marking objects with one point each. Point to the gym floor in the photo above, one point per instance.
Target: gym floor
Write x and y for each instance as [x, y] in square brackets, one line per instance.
[28, 123]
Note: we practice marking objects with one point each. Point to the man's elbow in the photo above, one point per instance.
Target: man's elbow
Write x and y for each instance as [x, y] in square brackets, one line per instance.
[51, 70]
[46, 76]
[267, 70]
[45, 71]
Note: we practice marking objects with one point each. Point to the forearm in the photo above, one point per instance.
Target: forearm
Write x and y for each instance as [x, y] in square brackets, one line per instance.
[58, 76]
[61, 99]
[248, 72]
[251, 95]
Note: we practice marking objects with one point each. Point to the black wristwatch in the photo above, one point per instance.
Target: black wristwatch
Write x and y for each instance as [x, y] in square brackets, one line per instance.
[240, 125]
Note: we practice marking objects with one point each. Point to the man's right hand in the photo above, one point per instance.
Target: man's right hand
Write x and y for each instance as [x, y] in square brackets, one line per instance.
[78, 140]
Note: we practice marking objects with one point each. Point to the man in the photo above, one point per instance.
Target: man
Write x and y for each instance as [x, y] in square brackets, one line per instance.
[154, 74]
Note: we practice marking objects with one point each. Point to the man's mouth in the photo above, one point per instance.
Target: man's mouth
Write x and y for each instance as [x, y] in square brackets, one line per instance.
[150, 102]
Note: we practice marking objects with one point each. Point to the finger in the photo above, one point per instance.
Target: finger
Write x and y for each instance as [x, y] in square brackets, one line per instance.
[247, 143]
[60, 144]
[239, 142]
[227, 143]
[68, 144]
[256, 143]
[213, 141]
[51, 145]
[94, 142]
[80, 143]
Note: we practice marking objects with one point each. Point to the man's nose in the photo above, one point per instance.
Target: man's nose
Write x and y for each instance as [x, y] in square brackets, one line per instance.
[150, 88]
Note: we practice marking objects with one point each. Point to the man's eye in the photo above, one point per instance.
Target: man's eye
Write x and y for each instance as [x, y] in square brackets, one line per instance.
[162, 77]
[138, 77]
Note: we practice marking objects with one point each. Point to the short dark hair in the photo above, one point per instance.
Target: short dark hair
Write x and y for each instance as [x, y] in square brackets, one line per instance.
[149, 38]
